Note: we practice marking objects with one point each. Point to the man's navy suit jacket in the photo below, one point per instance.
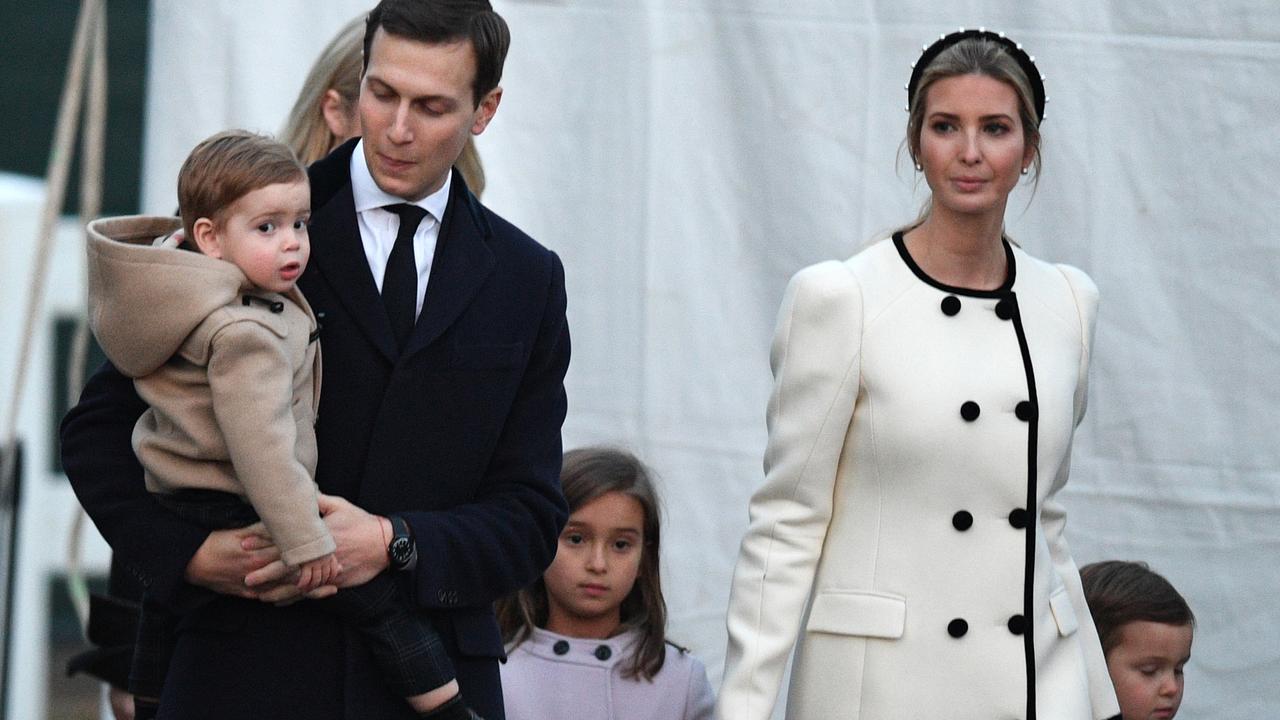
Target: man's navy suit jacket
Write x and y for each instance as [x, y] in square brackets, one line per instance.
[459, 433]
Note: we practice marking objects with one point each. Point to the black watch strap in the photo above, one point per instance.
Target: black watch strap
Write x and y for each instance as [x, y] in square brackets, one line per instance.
[401, 550]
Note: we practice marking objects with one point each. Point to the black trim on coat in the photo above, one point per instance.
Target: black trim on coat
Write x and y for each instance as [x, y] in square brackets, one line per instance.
[999, 292]
[1033, 516]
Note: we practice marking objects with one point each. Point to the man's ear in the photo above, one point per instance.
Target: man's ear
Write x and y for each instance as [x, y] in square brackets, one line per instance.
[206, 238]
[486, 110]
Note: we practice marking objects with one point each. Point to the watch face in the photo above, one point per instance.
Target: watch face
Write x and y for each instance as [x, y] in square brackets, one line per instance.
[401, 551]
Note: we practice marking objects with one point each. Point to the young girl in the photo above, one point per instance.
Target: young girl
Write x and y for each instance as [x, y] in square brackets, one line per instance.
[588, 639]
[1146, 628]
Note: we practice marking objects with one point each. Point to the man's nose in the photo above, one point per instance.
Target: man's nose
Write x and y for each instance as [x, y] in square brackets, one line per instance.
[401, 130]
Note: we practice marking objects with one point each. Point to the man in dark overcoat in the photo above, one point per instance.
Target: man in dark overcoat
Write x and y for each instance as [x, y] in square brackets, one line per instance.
[445, 347]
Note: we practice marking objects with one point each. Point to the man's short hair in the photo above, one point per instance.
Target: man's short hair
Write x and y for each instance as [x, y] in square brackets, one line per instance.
[228, 166]
[447, 21]
[1120, 592]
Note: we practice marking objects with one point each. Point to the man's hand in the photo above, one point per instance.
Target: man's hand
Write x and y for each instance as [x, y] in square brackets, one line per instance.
[277, 583]
[222, 563]
[362, 552]
[121, 703]
[245, 563]
[362, 540]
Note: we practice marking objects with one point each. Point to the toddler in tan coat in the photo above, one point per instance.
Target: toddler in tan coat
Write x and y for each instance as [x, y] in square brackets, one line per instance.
[222, 346]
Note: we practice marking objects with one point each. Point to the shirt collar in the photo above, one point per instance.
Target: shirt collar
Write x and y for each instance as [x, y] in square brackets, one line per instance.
[368, 195]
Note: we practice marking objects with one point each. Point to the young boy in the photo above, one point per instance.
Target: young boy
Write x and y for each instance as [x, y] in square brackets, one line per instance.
[222, 346]
[1146, 628]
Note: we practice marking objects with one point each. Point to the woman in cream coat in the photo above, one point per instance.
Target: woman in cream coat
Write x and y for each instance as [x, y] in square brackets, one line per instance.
[926, 391]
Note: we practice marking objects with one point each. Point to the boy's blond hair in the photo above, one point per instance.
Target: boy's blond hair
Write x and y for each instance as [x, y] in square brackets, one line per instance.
[228, 166]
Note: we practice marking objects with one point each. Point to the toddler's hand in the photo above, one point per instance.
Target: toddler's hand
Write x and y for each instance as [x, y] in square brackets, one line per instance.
[318, 572]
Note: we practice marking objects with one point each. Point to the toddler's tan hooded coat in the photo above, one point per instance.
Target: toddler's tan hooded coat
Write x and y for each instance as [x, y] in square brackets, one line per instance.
[231, 372]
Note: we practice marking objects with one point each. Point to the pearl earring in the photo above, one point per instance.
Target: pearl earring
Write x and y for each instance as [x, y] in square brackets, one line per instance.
[1024, 171]
[920, 168]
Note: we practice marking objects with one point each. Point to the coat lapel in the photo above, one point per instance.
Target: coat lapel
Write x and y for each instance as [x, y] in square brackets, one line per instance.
[462, 262]
[339, 255]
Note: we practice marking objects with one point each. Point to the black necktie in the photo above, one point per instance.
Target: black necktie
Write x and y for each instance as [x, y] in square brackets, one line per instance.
[400, 283]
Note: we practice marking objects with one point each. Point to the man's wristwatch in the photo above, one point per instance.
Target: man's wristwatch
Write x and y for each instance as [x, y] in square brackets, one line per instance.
[401, 551]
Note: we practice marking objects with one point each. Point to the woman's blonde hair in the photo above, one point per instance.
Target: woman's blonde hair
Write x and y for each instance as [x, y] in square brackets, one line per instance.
[339, 68]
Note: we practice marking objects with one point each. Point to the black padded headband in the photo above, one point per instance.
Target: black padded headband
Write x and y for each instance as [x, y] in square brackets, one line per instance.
[1027, 62]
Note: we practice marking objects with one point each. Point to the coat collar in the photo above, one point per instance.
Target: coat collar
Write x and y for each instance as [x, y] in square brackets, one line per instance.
[463, 259]
[601, 653]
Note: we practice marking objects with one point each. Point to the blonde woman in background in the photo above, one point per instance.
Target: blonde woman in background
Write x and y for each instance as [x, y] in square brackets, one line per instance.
[324, 115]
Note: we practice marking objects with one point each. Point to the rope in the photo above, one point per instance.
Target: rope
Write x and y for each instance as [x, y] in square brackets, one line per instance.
[91, 178]
[90, 33]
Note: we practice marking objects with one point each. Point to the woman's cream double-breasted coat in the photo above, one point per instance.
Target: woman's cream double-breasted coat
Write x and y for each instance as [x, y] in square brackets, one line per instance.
[911, 427]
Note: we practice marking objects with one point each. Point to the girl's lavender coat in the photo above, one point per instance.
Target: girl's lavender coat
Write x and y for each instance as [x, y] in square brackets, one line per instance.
[553, 676]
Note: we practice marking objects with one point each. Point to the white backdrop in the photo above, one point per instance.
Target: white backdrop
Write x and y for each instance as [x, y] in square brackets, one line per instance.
[685, 157]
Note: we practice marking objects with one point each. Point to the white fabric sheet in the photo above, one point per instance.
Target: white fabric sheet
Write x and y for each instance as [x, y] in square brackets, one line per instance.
[685, 157]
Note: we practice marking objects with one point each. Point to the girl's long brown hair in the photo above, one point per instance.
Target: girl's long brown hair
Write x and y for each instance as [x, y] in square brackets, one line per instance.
[587, 474]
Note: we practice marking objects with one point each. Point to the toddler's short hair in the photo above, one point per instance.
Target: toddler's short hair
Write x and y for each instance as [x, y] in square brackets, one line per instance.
[228, 166]
[1120, 592]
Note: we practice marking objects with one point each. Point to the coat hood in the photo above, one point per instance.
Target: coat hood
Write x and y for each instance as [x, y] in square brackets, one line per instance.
[146, 294]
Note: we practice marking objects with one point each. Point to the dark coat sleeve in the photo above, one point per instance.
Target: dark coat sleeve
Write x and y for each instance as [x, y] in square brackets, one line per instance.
[97, 454]
[474, 553]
